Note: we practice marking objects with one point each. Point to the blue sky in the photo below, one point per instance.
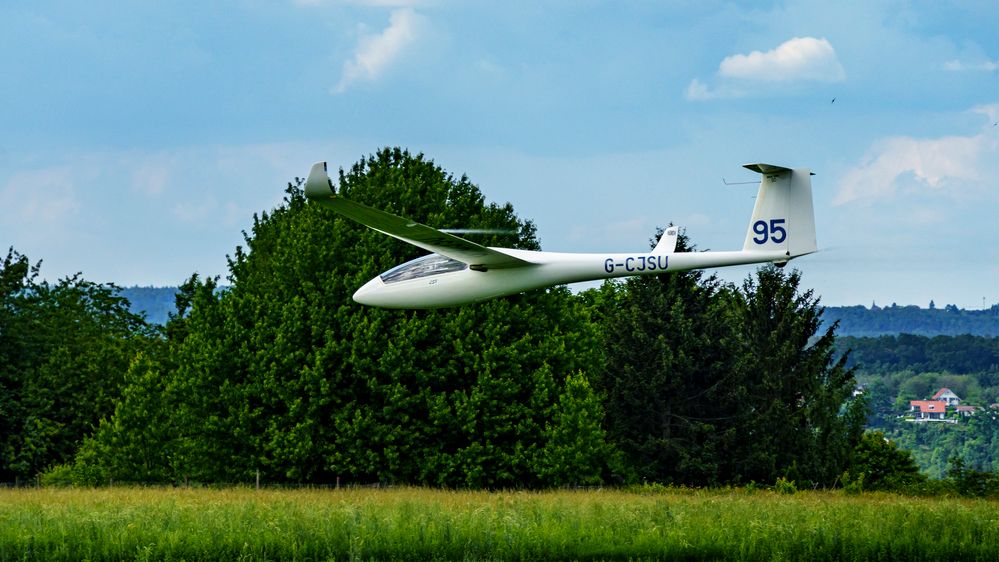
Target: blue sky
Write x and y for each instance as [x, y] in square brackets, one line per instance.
[138, 139]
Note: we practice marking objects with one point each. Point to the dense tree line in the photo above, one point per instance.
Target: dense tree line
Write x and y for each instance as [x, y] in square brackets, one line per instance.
[955, 354]
[64, 351]
[949, 320]
[707, 383]
[677, 378]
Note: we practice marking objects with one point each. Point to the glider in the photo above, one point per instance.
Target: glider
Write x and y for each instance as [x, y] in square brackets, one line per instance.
[459, 271]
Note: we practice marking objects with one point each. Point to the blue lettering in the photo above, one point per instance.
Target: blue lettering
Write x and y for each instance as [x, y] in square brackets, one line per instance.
[637, 263]
[774, 232]
[777, 232]
[760, 228]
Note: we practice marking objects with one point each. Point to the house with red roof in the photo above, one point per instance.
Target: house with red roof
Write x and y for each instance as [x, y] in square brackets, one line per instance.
[936, 408]
[966, 411]
[928, 410]
[948, 396]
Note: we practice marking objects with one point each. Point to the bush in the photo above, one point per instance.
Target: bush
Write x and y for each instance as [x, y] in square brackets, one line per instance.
[785, 486]
[972, 483]
[60, 475]
[852, 485]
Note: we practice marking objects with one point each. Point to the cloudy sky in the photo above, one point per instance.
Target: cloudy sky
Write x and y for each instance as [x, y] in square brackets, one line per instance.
[137, 139]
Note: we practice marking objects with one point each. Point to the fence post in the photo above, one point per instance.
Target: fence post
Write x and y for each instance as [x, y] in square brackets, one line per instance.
[258, 478]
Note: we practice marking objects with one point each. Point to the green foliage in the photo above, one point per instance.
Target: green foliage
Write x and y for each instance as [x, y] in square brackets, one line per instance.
[876, 321]
[63, 351]
[284, 374]
[963, 354]
[853, 484]
[879, 464]
[785, 486]
[799, 420]
[970, 482]
[897, 369]
[672, 394]
[707, 384]
[576, 451]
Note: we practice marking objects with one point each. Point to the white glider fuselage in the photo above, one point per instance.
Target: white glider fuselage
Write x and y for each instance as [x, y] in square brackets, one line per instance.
[460, 271]
[468, 285]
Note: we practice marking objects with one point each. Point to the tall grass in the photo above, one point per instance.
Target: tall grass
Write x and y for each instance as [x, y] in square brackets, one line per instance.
[421, 524]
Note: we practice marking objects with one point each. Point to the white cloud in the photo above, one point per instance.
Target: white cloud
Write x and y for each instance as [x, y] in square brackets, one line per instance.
[991, 111]
[801, 59]
[698, 91]
[952, 165]
[151, 178]
[39, 198]
[189, 212]
[961, 66]
[375, 53]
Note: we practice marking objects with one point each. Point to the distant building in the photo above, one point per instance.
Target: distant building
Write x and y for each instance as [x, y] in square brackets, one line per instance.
[966, 411]
[928, 410]
[948, 396]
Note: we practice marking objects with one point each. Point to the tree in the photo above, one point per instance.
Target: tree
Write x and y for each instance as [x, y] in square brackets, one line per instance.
[164, 427]
[576, 450]
[64, 349]
[672, 392]
[799, 421]
[284, 374]
[881, 465]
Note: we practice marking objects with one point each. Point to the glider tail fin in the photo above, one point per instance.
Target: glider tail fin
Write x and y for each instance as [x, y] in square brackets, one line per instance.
[783, 218]
[667, 242]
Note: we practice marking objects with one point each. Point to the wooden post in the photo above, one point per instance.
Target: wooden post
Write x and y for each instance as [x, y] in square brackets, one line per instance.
[258, 478]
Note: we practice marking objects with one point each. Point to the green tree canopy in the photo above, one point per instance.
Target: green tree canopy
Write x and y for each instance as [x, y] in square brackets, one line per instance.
[64, 349]
[799, 420]
[881, 465]
[284, 374]
[672, 401]
[709, 384]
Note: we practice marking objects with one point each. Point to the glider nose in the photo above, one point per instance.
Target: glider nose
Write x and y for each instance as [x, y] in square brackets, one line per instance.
[368, 294]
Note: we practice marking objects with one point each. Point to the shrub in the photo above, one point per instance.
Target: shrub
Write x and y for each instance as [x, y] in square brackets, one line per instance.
[785, 486]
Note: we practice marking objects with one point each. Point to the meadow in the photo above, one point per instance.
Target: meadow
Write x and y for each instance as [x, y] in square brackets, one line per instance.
[424, 524]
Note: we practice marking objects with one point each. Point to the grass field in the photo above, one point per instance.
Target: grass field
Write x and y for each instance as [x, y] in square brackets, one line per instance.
[422, 524]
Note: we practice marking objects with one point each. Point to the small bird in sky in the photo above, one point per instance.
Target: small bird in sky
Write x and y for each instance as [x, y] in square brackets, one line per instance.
[833, 100]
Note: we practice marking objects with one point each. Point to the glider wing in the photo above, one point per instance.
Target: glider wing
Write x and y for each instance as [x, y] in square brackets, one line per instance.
[319, 188]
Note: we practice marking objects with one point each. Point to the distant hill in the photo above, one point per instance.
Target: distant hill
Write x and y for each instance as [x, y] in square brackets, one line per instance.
[155, 303]
[891, 320]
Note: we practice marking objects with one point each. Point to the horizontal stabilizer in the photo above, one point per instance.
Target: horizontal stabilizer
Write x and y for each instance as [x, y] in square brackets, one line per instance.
[766, 168]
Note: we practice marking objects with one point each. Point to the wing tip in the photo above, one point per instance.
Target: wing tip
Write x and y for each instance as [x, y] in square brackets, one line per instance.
[319, 185]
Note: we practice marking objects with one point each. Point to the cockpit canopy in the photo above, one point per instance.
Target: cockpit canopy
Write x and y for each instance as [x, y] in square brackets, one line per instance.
[432, 264]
